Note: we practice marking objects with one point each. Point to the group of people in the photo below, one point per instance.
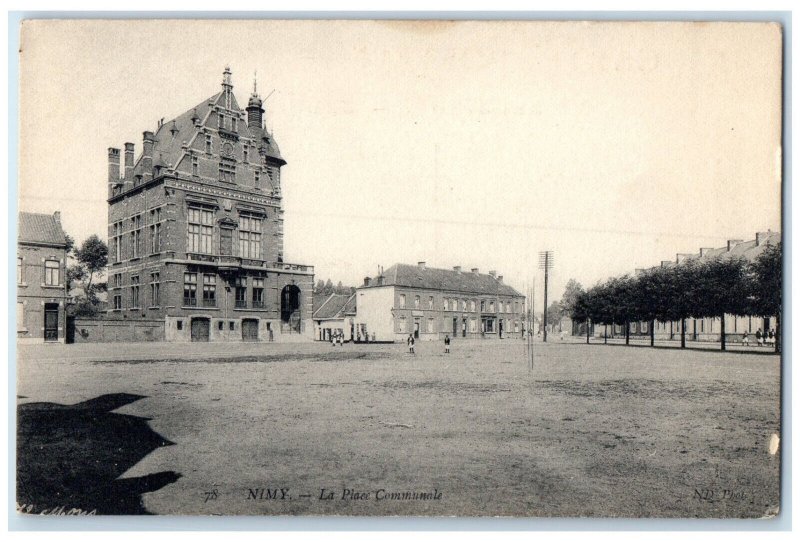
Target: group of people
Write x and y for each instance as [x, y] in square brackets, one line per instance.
[762, 338]
[411, 341]
[337, 338]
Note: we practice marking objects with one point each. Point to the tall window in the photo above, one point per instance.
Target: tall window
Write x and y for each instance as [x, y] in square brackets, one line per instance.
[246, 151]
[155, 231]
[195, 165]
[258, 293]
[135, 292]
[234, 124]
[402, 324]
[117, 302]
[402, 301]
[472, 305]
[155, 290]
[250, 237]
[19, 270]
[190, 289]
[209, 290]
[483, 305]
[220, 121]
[430, 302]
[136, 236]
[491, 306]
[201, 229]
[227, 169]
[258, 180]
[416, 301]
[51, 273]
[115, 250]
[444, 304]
[209, 147]
[241, 292]
[430, 325]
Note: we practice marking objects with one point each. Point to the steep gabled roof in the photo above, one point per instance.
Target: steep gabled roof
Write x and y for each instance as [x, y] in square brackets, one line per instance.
[40, 228]
[431, 278]
[336, 306]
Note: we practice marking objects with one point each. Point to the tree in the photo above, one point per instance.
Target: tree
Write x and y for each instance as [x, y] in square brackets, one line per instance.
[572, 292]
[723, 289]
[93, 257]
[328, 287]
[766, 281]
[554, 313]
[318, 289]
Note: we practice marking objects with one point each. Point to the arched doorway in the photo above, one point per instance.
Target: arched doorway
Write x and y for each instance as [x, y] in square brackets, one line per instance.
[290, 308]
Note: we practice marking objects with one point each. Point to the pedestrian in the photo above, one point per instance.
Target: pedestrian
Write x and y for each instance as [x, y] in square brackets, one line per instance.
[333, 340]
[771, 337]
[411, 344]
[447, 344]
[759, 337]
[745, 339]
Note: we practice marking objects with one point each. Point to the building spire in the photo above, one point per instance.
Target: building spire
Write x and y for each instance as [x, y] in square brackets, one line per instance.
[255, 83]
[226, 77]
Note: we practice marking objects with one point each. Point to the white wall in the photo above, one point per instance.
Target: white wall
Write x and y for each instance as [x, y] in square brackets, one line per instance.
[375, 310]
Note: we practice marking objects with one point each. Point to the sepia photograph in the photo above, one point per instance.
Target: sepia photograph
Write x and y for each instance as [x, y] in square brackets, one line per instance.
[402, 268]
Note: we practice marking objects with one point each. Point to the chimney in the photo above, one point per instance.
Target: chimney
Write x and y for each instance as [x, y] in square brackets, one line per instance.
[732, 243]
[128, 161]
[113, 169]
[421, 265]
[704, 251]
[499, 278]
[380, 280]
[57, 217]
[492, 273]
[475, 270]
[457, 268]
[148, 142]
[761, 237]
[367, 281]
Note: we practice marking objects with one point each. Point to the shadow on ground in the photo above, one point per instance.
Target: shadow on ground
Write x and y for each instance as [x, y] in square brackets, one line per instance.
[72, 456]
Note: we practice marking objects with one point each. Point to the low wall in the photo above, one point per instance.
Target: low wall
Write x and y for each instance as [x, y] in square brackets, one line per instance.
[95, 330]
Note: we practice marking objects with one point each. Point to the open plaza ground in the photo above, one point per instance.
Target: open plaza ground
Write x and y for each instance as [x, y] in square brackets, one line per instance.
[593, 430]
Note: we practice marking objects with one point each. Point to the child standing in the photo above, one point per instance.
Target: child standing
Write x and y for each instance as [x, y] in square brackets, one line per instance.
[447, 344]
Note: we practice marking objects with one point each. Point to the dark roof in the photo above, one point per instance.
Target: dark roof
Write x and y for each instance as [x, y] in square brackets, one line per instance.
[171, 135]
[431, 278]
[40, 228]
[336, 306]
[749, 250]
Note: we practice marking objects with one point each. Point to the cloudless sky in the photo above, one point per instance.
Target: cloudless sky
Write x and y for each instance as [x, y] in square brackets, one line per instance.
[616, 145]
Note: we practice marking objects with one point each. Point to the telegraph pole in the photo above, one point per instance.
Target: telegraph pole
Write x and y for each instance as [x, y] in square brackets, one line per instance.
[546, 263]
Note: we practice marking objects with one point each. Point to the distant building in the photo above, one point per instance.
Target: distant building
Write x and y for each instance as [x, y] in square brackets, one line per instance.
[430, 303]
[707, 329]
[41, 278]
[195, 229]
[336, 316]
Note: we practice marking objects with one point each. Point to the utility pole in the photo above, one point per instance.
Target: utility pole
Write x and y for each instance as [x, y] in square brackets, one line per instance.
[546, 263]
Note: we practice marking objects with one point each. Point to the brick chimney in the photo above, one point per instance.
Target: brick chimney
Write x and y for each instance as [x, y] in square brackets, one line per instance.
[499, 278]
[732, 243]
[367, 280]
[492, 273]
[128, 161]
[148, 142]
[761, 237]
[457, 268]
[57, 217]
[113, 169]
[475, 270]
[421, 265]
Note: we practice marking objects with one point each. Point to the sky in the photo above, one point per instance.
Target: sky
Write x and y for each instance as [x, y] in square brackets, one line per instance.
[479, 144]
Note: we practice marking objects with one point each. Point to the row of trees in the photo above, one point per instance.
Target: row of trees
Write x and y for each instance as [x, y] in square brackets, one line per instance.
[327, 288]
[693, 289]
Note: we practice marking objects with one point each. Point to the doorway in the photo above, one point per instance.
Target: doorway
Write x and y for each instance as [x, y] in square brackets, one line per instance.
[416, 328]
[249, 329]
[200, 329]
[290, 308]
[51, 321]
[464, 327]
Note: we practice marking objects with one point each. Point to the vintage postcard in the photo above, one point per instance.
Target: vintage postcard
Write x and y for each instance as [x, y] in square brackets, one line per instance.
[399, 268]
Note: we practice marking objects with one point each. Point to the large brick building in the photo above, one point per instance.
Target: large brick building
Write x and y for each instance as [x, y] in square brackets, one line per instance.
[430, 303]
[195, 229]
[41, 278]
